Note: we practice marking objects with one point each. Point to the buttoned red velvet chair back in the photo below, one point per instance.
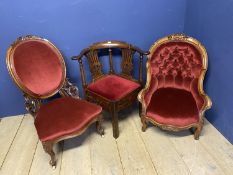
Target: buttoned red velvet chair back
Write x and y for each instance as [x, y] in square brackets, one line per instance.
[30, 67]
[176, 64]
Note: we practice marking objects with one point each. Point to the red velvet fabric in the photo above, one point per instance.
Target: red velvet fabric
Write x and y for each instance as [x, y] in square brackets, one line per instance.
[64, 116]
[176, 64]
[172, 106]
[37, 66]
[113, 87]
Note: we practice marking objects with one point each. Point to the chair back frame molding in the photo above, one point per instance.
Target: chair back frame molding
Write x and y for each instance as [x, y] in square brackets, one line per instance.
[33, 102]
[9, 63]
[207, 101]
[127, 52]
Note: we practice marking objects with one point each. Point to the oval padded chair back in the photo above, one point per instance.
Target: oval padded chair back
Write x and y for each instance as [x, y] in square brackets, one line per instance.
[37, 66]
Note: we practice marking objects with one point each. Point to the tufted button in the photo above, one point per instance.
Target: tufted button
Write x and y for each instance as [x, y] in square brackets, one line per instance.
[186, 51]
[180, 62]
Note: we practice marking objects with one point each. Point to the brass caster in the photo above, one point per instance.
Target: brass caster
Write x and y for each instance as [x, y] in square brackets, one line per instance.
[101, 132]
[54, 167]
[53, 164]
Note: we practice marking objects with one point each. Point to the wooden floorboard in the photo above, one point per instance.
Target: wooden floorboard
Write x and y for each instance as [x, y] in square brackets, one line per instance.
[20, 155]
[40, 164]
[218, 146]
[134, 156]
[8, 129]
[198, 160]
[134, 152]
[76, 156]
[163, 154]
[105, 158]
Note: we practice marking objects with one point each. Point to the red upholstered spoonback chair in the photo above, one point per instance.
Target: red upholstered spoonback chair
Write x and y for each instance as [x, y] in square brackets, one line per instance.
[174, 98]
[38, 69]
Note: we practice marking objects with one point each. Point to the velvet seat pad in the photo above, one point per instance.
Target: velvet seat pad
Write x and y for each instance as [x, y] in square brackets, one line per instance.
[174, 107]
[64, 116]
[113, 87]
[38, 67]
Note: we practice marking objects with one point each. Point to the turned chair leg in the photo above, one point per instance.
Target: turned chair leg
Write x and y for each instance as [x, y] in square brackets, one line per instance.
[99, 127]
[198, 131]
[48, 148]
[144, 124]
[115, 126]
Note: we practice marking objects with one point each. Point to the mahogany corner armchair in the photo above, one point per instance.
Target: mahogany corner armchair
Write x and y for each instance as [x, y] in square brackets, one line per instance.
[173, 98]
[113, 92]
[38, 68]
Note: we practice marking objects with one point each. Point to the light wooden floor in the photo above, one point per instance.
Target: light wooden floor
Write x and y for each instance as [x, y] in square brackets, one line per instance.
[133, 153]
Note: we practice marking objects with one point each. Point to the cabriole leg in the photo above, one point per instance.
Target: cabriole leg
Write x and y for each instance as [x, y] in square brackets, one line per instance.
[198, 131]
[144, 123]
[48, 148]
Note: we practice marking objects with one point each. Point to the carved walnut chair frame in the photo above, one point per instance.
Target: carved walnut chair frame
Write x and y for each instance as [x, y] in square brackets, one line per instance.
[91, 53]
[195, 127]
[33, 101]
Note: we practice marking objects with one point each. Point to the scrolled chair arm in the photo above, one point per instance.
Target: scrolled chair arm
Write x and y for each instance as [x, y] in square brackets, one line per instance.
[208, 104]
[140, 96]
[145, 53]
[75, 58]
[69, 90]
[82, 53]
[32, 104]
[207, 101]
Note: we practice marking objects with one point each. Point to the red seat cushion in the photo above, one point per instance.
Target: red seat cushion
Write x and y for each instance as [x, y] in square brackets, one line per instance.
[64, 116]
[113, 87]
[175, 107]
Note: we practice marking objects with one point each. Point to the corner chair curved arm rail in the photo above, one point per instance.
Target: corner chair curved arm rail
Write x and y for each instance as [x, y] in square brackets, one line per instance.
[109, 45]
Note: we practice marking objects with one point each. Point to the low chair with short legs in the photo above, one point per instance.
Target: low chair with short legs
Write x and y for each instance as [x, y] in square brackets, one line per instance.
[173, 98]
[112, 91]
[38, 68]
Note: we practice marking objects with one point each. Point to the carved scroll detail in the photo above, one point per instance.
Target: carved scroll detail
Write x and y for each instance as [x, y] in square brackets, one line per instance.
[95, 65]
[126, 64]
[32, 105]
[69, 89]
[178, 36]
